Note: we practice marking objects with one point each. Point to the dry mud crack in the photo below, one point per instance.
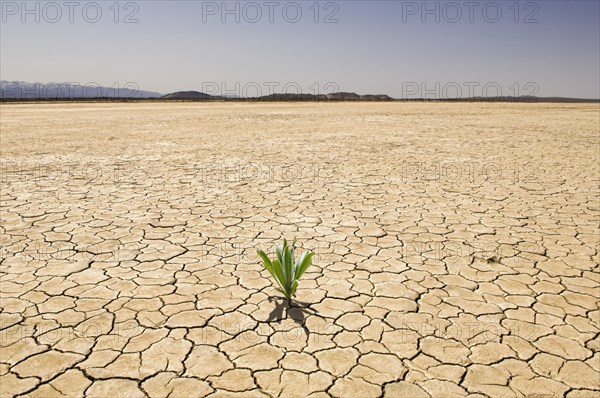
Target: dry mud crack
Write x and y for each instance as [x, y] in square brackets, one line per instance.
[456, 250]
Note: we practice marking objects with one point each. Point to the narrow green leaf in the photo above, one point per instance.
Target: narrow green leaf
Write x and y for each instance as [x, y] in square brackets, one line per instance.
[294, 287]
[293, 261]
[278, 273]
[300, 260]
[303, 266]
[265, 258]
[266, 262]
[288, 267]
[279, 251]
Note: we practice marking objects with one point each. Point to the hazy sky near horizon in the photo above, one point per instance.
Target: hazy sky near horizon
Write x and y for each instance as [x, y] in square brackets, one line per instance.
[402, 48]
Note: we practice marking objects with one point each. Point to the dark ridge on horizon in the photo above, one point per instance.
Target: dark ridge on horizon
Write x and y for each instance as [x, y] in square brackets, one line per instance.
[349, 96]
[276, 98]
[16, 91]
[342, 96]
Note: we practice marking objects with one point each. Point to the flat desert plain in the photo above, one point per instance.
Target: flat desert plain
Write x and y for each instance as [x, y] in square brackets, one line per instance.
[456, 249]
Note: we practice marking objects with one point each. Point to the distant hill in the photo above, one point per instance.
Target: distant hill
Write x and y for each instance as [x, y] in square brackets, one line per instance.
[198, 96]
[355, 97]
[343, 96]
[508, 99]
[17, 90]
[190, 95]
[558, 99]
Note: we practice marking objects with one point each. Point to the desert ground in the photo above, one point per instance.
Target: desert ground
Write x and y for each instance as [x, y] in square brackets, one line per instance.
[456, 249]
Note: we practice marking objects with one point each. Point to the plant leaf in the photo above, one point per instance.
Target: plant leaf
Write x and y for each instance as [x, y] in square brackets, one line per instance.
[279, 278]
[304, 264]
[287, 253]
[293, 261]
[284, 293]
[279, 252]
[294, 287]
[266, 261]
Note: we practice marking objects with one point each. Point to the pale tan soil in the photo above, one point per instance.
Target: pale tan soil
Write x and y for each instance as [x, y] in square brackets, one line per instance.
[129, 231]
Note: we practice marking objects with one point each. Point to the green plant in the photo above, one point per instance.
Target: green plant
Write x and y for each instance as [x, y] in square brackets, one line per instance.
[284, 269]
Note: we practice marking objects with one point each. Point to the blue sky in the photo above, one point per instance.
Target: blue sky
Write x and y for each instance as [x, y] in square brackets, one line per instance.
[547, 48]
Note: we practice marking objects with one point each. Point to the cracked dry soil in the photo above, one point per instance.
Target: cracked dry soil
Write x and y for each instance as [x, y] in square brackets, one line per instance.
[456, 249]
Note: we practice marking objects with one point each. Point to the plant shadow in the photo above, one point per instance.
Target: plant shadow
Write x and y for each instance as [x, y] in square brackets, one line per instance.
[294, 309]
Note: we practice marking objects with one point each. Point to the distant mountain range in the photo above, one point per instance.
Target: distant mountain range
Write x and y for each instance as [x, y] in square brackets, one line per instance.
[195, 95]
[17, 91]
[344, 96]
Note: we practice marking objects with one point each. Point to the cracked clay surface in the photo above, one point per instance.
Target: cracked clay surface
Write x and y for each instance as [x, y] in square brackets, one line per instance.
[456, 250]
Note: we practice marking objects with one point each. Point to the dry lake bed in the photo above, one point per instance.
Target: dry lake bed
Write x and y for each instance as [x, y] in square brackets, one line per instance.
[456, 249]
